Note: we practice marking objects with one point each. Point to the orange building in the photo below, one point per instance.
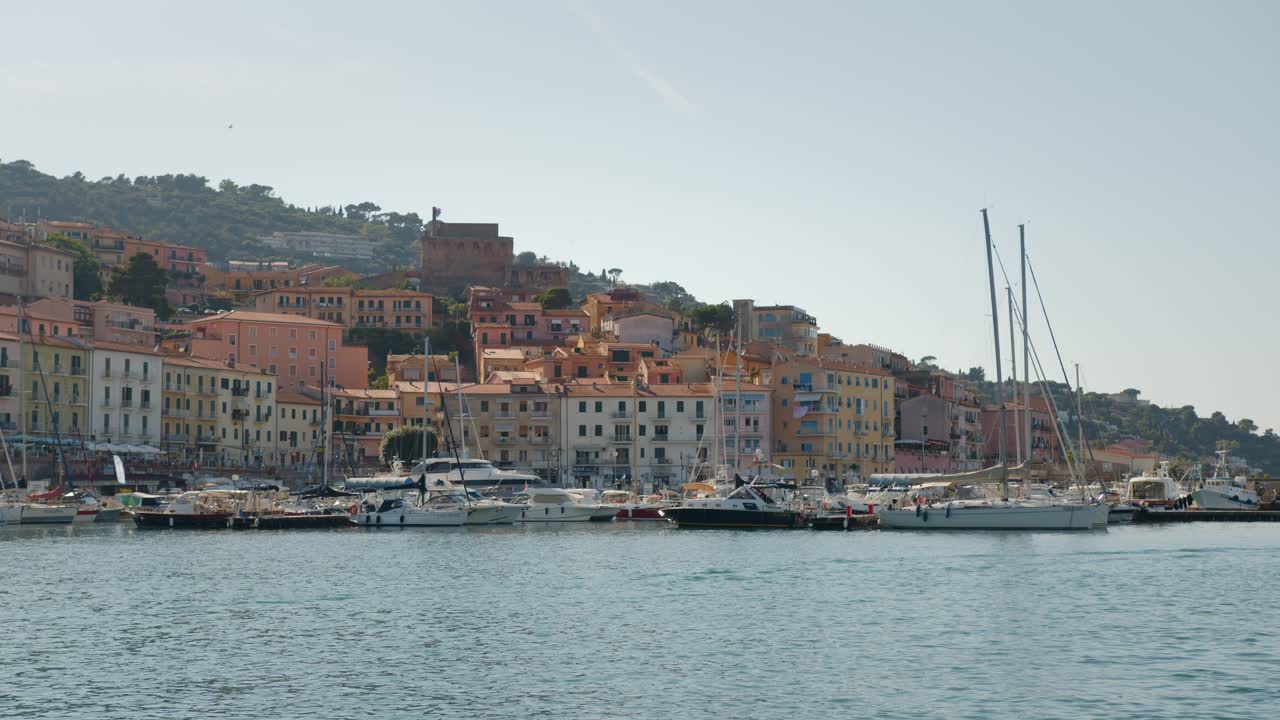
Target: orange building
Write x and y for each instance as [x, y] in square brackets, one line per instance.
[298, 350]
[350, 307]
[241, 278]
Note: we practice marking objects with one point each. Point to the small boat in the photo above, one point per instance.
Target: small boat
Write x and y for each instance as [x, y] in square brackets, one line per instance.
[547, 504]
[1156, 490]
[631, 507]
[192, 509]
[400, 512]
[42, 514]
[749, 506]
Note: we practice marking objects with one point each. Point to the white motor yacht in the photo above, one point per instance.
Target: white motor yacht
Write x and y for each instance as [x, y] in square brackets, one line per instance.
[1156, 490]
[1223, 492]
[401, 512]
[480, 510]
[546, 504]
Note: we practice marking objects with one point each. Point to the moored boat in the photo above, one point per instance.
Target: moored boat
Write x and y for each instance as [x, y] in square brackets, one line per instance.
[547, 504]
[42, 514]
[193, 509]
[749, 506]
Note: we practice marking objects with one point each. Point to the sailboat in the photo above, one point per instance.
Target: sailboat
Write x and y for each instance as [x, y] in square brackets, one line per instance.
[957, 502]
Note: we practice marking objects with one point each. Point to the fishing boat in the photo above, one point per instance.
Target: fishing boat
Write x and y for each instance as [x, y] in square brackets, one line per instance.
[748, 506]
[1223, 492]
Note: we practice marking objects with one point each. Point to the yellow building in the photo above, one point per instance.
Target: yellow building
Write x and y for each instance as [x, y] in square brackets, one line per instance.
[299, 423]
[219, 415]
[56, 392]
[832, 417]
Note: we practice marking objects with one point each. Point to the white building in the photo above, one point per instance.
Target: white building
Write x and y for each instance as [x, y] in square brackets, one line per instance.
[664, 433]
[124, 394]
[642, 327]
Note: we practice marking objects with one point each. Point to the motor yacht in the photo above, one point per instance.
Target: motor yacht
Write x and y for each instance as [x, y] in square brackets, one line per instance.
[1156, 490]
[378, 511]
[191, 509]
[748, 506]
[635, 507]
[547, 504]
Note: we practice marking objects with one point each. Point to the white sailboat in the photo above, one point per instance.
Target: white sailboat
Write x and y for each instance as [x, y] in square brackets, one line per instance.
[961, 505]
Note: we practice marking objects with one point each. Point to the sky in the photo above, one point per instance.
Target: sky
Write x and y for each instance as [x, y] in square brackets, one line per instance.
[830, 155]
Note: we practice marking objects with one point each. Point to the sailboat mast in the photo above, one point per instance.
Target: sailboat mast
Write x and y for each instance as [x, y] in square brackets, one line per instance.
[1013, 374]
[737, 405]
[22, 373]
[1026, 346]
[1080, 424]
[325, 401]
[462, 411]
[426, 375]
[995, 328]
[716, 412]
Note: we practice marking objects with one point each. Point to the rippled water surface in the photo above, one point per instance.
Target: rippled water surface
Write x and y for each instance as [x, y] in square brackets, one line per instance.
[631, 621]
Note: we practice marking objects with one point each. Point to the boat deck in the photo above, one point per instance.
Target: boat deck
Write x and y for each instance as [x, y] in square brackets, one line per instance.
[290, 522]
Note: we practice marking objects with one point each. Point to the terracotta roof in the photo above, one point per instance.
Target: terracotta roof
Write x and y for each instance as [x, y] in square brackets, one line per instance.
[285, 395]
[367, 393]
[249, 316]
[125, 347]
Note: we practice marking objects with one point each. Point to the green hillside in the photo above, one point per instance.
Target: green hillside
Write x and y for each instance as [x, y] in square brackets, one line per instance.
[186, 209]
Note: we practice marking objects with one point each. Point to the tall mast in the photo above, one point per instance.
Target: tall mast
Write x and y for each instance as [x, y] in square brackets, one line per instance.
[325, 401]
[462, 411]
[737, 405]
[22, 375]
[1013, 373]
[995, 331]
[635, 434]
[1026, 346]
[1080, 425]
[426, 375]
[715, 414]
[995, 327]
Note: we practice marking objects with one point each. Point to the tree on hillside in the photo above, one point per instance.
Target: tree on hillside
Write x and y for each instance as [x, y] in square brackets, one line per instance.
[527, 258]
[614, 274]
[340, 281]
[975, 374]
[555, 299]
[714, 318]
[405, 442]
[85, 269]
[140, 282]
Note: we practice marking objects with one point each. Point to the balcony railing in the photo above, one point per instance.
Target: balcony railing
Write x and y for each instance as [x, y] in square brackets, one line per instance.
[539, 413]
[76, 370]
[145, 404]
[6, 390]
[540, 439]
[106, 402]
[620, 414]
[661, 437]
[126, 402]
[620, 439]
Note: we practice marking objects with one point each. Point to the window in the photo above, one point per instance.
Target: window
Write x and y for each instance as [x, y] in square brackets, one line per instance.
[231, 339]
[582, 406]
[333, 347]
[599, 406]
[599, 430]
[582, 431]
[643, 408]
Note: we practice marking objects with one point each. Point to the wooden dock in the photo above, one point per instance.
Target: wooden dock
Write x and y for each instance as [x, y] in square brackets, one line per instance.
[286, 521]
[1178, 516]
[841, 522]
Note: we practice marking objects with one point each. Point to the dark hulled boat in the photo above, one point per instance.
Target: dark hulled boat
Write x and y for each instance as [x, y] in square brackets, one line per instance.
[749, 506]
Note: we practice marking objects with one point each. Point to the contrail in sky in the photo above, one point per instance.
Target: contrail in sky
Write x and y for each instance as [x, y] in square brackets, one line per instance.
[597, 25]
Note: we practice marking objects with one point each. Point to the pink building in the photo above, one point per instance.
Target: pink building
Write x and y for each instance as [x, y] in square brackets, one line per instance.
[1044, 438]
[298, 350]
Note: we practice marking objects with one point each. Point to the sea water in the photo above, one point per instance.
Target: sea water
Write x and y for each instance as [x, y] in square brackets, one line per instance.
[638, 621]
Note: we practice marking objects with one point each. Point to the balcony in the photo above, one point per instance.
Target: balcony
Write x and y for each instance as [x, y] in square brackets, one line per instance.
[504, 415]
[126, 402]
[661, 437]
[536, 413]
[620, 415]
[76, 370]
[239, 414]
[385, 413]
[176, 412]
[176, 437]
[146, 378]
[314, 421]
[107, 374]
[205, 390]
[240, 391]
[662, 460]
[540, 439]
[503, 440]
[105, 402]
[6, 390]
[206, 440]
[620, 439]
[144, 405]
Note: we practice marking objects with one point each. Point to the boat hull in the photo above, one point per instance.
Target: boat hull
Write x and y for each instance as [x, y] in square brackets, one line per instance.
[997, 516]
[48, 515]
[493, 515]
[109, 514]
[1205, 499]
[640, 513]
[694, 517]
[86, 515]
[412, 518]
[565, 513]
[160, 520]
[10, 515]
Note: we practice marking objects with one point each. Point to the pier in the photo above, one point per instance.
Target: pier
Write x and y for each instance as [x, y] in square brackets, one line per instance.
[1179, 516]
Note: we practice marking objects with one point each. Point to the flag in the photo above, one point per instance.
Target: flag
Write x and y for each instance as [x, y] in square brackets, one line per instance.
[799, 411]
[435, 213]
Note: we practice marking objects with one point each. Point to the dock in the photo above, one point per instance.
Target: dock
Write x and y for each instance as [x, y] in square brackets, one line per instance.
[285, 521]
[1176, 516]
[842, 522]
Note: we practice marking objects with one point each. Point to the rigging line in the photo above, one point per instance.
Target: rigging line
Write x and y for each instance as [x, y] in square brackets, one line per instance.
[1063, 440]
[1079, 408]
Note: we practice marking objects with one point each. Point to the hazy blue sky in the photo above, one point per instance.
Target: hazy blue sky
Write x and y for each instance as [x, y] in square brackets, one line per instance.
[828, 155]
